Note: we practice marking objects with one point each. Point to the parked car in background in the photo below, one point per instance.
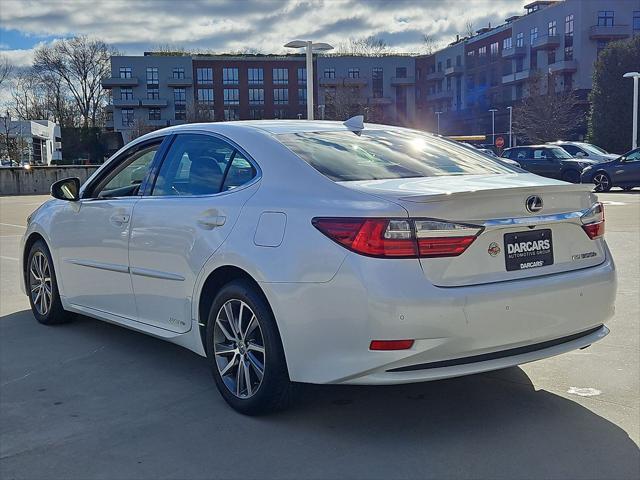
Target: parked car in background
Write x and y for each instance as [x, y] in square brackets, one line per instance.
[622, 172]
[488, 151]
[548, 161]
[585, 150]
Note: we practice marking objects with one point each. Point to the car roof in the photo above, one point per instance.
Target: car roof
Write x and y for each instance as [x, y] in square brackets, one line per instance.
[531, 146]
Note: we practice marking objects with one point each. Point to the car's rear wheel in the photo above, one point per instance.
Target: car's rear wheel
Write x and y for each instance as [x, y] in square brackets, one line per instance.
[245, 351]
[602, 182]
[571, 176]
[43, 288]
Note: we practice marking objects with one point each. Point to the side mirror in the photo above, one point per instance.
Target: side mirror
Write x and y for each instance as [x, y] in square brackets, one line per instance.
[66, 189]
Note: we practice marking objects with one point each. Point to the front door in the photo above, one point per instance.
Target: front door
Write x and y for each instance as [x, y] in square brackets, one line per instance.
[91, 236]
[201, 188]
[627, 170]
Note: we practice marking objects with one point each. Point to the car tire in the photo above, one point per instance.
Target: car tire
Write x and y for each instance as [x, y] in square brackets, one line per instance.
[42, 287]
[245, 354]
[602, 182]
[571, 176]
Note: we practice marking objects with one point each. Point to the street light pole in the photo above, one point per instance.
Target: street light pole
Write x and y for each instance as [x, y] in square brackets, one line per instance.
[635, 76]
[310, 47]
[493, 126]
[438, 115]
[510, 123]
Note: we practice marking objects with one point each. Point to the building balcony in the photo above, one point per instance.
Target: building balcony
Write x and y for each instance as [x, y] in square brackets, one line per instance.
[354, 82]
[563, 66]
[444, 94]
[130, 102]
[154, 102]
[516, 77]
[119, 82]
[179, 82]
[514, 52]
[380, 101]
[609, 32]
[546, 42]
[402, 81]
[435, 76]
[329, 82]
[454, 71]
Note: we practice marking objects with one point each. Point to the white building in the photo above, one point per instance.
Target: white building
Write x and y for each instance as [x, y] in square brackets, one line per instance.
[38, 141]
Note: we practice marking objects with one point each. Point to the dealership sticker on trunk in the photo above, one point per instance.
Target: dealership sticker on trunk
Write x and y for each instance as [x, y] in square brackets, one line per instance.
[524, 250]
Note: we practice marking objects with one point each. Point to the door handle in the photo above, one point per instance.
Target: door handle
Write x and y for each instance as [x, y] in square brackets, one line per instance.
[209, 223]
[119, 219]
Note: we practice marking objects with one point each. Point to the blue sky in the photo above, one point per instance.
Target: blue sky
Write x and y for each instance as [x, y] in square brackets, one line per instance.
[133, 26]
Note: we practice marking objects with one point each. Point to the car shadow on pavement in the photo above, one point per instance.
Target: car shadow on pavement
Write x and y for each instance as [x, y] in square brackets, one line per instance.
[118, 404]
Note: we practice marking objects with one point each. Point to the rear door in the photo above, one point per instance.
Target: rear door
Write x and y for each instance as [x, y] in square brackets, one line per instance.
[544, 163]
[182, 220]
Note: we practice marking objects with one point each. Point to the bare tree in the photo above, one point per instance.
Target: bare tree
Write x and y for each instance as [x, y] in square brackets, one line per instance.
[8, 143]
[41, 96]
[81, 64]
[469, 31]
[199, 113]
[342, 103]
[371, 46]
[546, 115]
[429, 44]
[6, 69]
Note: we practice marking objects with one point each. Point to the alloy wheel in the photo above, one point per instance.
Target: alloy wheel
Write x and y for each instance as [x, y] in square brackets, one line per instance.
[239, 348]
[40, 283]
[602, 182]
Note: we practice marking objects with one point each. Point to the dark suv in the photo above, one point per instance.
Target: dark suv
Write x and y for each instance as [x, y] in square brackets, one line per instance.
[548, 161]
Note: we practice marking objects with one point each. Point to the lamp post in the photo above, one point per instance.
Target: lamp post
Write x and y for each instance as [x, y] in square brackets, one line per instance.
[635, 76]
[309, 47]
[510, 123]
[438, 115]
[493, 126]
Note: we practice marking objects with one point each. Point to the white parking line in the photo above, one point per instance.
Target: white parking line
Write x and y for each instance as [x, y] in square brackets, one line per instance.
[13, 225]
[2, 257]
[611, 202]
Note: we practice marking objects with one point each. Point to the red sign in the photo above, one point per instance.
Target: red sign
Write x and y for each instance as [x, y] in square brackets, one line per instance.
[499, 142]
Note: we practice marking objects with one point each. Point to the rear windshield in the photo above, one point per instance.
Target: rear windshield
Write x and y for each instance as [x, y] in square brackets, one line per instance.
[385, 154]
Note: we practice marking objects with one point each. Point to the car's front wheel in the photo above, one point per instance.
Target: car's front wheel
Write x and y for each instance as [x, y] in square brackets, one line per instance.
[245, 351]
[43, 288]
[602, 182]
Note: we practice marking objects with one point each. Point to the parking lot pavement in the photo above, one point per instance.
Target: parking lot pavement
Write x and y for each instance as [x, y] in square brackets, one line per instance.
[92, 400]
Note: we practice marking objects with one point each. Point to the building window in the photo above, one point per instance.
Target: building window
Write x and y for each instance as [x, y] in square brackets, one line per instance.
[568, 81]
[126, 93]
[178, 73]
[204, 75]
[494, 50]
[519, 64]
[229, 76]
[636, 22]
[153, 92]
[605, 18]
[520, 39]
[302, 96]
[448, 63]
[568, 52]
[256, 76]
[448, 84]
[154, 114]
[125, 72]
[280, 113]
[256, 96]
[280, 96]
[329, 73]
[180, 102]
[602, 44]
[553, 30]
[231, 96]
[256, 113]
[551, 57]
[377, 82]
[152, 76]
[533, 34]
[482, 51]
[507, 43]
[568, 25]
[231, 114]
[302, 76]
[205, 95]
[401, 72]
[439, 66]
[353, 73]
[280, 76]
[127, 117]
[568, 37]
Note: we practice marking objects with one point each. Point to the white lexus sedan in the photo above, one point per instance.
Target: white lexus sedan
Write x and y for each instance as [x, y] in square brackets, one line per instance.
[323, 252]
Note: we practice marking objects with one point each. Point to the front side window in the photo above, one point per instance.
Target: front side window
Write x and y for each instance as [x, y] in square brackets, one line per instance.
[125, 180]
[385, 154]
[197, 165]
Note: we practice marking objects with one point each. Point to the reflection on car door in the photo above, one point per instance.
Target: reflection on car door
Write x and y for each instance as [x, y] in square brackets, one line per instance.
[201, 188]
[91, 236]
[627, 171]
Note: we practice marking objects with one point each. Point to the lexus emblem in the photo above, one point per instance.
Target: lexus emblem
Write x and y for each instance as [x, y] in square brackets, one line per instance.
[533, 204]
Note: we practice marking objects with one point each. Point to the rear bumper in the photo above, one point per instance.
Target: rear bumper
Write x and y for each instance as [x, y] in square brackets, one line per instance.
[326, 328]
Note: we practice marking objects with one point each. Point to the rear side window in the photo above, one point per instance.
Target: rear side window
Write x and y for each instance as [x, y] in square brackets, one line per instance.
[385, 154]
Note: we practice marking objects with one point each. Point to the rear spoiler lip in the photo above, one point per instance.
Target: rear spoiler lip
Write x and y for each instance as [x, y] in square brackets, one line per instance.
[500, 191]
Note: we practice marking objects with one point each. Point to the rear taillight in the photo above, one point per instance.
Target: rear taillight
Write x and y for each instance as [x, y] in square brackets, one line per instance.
[593, 221]
[399, 238]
